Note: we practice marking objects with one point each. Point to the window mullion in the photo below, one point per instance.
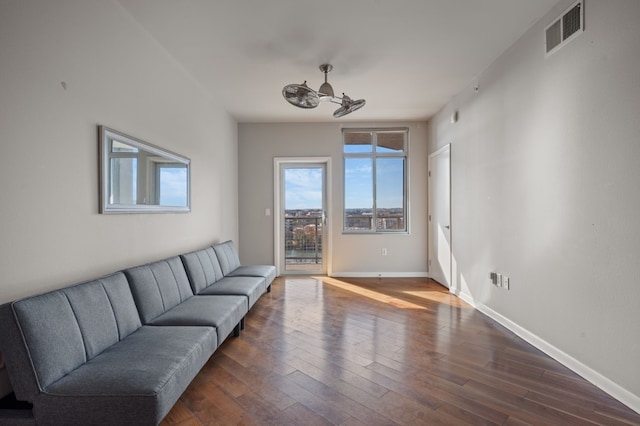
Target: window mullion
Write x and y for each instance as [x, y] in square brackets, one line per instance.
[374, 174]
[374, 207]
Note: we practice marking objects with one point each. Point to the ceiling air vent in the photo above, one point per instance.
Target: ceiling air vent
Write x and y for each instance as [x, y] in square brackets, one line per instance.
[564, 29]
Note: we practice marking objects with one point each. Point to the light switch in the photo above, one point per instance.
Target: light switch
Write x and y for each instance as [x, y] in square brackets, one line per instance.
[267, 211]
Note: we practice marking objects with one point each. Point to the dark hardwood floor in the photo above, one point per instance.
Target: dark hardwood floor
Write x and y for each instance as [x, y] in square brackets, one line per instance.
[383, 352]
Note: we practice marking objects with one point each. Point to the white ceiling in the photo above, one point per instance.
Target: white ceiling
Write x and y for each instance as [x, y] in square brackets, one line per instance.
[407, 58]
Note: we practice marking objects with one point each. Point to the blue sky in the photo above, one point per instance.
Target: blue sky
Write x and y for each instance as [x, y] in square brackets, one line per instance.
[358, 188]
[173, 186]
[303, 186]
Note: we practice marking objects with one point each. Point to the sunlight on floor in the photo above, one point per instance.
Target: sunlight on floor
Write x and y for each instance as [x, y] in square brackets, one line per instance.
[381, 297]
[440, 297]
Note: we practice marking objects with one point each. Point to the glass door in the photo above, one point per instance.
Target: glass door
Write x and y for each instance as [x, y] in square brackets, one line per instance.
[303, 218]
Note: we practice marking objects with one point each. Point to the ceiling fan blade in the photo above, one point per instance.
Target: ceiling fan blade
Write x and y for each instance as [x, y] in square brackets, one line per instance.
[301, 95]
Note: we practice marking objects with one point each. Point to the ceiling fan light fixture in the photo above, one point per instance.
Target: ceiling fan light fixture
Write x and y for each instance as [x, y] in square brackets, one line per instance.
[326, 91]
[303, 96]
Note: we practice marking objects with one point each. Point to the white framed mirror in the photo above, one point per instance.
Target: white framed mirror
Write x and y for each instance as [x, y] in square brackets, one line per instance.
[137, 177]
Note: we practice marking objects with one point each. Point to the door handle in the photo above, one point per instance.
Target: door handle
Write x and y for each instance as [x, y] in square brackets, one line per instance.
[447, 227]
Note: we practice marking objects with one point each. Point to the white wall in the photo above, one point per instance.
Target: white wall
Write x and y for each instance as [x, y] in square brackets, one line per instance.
[258, 144]
[51, 232]
[545, 190]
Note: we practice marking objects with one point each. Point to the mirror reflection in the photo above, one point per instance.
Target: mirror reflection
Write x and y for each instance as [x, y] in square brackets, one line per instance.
[139, 177]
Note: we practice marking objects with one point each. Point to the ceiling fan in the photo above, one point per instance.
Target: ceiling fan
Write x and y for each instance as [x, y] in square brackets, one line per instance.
[303, 96]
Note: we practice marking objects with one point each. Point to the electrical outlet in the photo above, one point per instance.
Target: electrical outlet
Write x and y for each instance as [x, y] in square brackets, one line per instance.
[499, 280]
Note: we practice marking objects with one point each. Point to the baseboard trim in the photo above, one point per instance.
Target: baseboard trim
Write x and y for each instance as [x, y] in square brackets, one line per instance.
[464, 296]
[618, 392]
[379, 275]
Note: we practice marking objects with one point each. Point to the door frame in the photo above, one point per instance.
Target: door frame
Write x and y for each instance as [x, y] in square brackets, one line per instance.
[450, 284]
[278, 220]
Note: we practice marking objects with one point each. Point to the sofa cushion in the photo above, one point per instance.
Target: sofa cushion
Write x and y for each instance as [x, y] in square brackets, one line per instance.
[47, 336]
[105, 312]
[268, 272]
[231, 267]
[136, 381]
[122, 303]
[227, 256]
[251, 287]
[158, 287]
[203, 268]
[52, 336]
[205, 275]
[221, 312]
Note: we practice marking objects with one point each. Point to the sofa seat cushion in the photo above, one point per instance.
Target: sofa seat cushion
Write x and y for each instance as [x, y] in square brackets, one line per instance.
[135, 381]
[268, 272]
[251, 287]
[221, 312]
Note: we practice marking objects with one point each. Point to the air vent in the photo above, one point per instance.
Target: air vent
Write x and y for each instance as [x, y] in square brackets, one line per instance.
[553, 36]
[564, 29]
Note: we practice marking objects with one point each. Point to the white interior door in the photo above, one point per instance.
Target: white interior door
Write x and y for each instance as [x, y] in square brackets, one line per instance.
[440, 216]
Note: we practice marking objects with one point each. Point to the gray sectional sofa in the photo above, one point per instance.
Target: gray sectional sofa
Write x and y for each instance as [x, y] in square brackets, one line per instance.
[123, 348]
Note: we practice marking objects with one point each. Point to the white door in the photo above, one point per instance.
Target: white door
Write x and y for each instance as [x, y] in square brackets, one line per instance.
[440, 216]
[301, 215]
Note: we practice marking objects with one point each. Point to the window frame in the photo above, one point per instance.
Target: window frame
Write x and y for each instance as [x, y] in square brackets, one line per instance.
[374, 155]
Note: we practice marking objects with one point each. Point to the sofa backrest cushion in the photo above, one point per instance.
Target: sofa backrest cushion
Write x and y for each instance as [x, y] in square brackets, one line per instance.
[51, 334]
[105, 311]
[203, 268]
[228, 256]
[158, 287]
[62, 330]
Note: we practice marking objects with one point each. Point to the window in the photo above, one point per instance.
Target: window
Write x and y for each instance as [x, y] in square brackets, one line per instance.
[375, 180]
